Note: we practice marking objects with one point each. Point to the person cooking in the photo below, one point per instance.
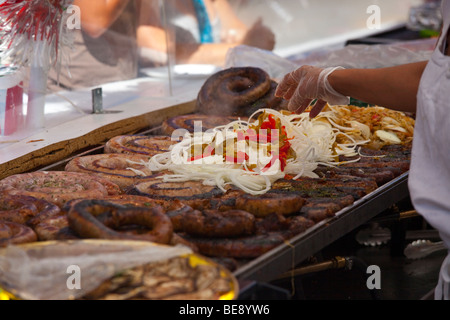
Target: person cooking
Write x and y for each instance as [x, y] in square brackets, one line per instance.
[420, 87]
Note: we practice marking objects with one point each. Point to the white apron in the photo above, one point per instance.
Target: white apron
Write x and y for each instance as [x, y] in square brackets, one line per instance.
[429, 177]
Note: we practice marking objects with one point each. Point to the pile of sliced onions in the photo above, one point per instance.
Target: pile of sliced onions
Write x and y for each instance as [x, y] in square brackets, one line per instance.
[313, 142]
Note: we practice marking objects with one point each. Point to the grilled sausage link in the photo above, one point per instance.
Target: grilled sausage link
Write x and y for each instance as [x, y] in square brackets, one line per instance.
[121, 169]
[191, 193]
[58, 187]
[16, 209]
[15, 233]
[177, 126]
[55, 228]
[99, 218]
[269, 203]
[229, 91]
[139, 144]
[216, 224]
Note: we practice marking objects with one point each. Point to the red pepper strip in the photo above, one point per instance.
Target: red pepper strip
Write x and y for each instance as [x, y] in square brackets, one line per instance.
[250, 135]
[241, 157]
[201, 156]
[285, 148]
[230, 159]
[196, 157]
[209, 151]
[262, 138]
[282, 163]
[270, 123]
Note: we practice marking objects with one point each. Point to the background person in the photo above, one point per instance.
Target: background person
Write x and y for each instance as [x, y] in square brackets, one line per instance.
[105, 49]
[226, 31]
[115, 34]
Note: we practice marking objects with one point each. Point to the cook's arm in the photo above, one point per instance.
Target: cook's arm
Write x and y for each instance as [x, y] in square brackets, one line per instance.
[392, 87]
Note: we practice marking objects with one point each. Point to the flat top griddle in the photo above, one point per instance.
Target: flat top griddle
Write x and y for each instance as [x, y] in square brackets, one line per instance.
[281, 259]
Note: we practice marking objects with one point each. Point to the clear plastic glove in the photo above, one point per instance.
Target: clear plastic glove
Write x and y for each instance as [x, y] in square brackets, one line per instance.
[306, 84]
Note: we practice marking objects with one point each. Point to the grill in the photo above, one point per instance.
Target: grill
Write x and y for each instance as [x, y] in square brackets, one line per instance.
[282, 258]
[286, 256]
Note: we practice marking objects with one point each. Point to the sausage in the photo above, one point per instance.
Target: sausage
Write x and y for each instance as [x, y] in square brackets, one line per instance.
[266, 204]
[45, 210]
[58, 187]
[192, 193]
[121, 169]
[139, 144]
[15, 233]
[25, 209]
[217, 224]
[241, 247]
[172, 206]
[229, 91]
[18, 209]
[189, 123]
[269, 232]
[55, 228]
[99, 218]
[268, 101]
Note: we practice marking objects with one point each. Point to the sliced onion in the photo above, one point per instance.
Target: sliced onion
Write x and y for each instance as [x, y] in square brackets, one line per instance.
[387, 136]
[313, 143]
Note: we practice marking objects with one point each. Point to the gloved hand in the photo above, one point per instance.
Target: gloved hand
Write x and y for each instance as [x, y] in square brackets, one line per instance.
[307, 84]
